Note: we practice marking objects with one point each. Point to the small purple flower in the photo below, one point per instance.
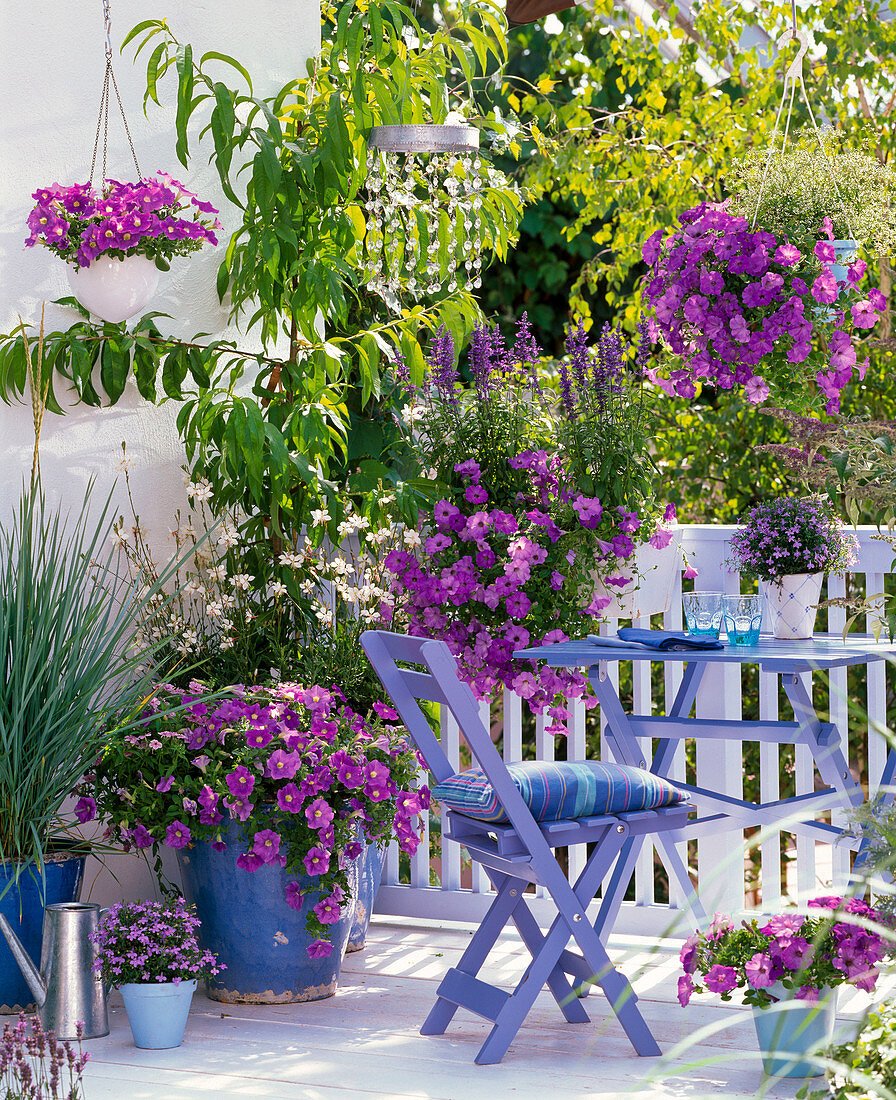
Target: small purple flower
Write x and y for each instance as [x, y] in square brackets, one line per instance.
[319, 814]
[177, 835]
[317, 860]
[320, 949]
[721, 979]
[240, 782]
[685, 989]
[475, 494]
[289, 798]
[328, 911]
[266, 845]
[141, 838]
[294, 896]
[759, 971]
[165, 785]
[85, 809]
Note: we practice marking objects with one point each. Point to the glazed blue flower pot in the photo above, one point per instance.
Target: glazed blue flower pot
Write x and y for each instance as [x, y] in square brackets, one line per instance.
[247, 923]
[158, 1012]
[23, 907]
[791, 1029]
[370, 873]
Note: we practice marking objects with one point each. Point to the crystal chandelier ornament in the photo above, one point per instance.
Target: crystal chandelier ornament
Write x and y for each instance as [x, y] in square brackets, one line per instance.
[425, 187]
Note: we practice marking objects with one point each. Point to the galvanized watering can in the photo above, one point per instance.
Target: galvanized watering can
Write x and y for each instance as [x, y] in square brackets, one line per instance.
[66, 989]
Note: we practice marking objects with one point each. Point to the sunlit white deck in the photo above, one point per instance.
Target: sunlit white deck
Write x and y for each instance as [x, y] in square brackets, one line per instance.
[364, 1042]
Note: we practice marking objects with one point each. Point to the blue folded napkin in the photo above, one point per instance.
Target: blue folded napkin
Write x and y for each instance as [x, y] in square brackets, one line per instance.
[674, 640]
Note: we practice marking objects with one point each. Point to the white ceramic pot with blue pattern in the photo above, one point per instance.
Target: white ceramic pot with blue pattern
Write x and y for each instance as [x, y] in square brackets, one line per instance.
[792, 604]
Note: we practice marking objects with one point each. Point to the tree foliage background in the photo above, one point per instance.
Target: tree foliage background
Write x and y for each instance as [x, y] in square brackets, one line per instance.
[647, 118]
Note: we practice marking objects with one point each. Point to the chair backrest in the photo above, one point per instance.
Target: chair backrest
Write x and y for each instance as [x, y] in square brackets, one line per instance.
[441, 684]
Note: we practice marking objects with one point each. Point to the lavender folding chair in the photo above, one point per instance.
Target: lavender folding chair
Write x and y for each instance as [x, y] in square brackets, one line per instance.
[515, 854]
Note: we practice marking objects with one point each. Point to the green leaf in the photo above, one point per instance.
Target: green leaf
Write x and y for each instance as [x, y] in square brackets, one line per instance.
[184, 101]
[213, 55]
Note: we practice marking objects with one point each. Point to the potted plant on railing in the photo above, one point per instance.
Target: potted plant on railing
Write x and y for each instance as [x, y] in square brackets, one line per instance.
[794, 961]
[741, 307]
[115, 241]
[267, 797]
[789, 544]
[542, 497]
[151, 952]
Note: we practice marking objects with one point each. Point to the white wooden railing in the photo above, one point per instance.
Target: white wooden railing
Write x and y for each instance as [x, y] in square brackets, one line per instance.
[462, 892]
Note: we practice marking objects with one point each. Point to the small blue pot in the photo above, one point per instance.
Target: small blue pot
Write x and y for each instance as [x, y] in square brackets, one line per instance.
[370, 873]
[158, 1013]
[247, 923]
[845, 250]
[23, 907]
[790, 1029]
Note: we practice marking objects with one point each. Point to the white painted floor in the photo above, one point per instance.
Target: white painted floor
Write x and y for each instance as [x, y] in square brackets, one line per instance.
[364, 1042]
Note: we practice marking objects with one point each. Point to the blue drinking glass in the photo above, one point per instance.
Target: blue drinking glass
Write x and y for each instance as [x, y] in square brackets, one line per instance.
[743, 619]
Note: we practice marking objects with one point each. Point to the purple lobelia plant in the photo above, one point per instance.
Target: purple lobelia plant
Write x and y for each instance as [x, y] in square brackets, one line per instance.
[146, 942]
[737, 307]
[307, 780]
[791, 535]
[806, 953]
[155, 218]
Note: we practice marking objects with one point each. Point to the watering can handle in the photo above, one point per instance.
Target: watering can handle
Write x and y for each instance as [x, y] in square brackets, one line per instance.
[795, 72]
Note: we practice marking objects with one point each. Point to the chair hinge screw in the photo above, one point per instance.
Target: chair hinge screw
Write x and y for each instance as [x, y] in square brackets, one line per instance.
[620, 828]
[577, 916]
[513, 893]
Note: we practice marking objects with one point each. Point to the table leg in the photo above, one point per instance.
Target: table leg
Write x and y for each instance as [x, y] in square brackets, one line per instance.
[625, 749]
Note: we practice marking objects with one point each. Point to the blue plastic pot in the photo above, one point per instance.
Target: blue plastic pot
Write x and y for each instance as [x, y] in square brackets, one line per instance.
[158, 1013]
[247, 923]
[370, 873]
[791, 1029]
[23, 907]
[845, 250]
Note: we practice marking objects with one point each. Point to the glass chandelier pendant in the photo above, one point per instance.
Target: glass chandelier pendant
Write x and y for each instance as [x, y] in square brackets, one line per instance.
[424, 231]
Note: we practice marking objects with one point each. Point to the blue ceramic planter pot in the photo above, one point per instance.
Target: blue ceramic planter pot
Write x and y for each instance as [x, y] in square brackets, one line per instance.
[845, 250]
[158, 1013]
[791, 1029]
[23, 907]
[370, 873]
[247, 923]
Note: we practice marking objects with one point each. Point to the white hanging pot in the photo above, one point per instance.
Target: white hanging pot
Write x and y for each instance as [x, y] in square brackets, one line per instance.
[114, 289]
[792, 604]
[652, 577]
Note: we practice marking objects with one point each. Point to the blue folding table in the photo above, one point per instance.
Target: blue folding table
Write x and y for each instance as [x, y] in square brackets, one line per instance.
[717, 812]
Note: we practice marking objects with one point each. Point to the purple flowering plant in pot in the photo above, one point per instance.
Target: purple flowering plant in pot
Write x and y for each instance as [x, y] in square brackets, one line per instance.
[158, 219]
[117, 239]
[740, 307]
[546, 481]
[300, 780]
[151, 951]
[833, 943]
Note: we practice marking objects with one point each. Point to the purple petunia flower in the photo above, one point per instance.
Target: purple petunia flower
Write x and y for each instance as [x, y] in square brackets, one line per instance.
[85, 809]
[266, 845]
[177, 835]
[240, 782]
[294, 896]
[320, 949]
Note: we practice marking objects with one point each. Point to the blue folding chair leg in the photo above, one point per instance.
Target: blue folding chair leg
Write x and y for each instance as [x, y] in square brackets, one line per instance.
[551, 962]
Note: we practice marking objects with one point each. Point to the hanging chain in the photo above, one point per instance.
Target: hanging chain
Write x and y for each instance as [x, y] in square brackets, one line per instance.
[102, 123]
[794, 77]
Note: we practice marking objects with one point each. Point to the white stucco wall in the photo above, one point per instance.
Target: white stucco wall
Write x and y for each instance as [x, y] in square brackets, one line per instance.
[50, 82]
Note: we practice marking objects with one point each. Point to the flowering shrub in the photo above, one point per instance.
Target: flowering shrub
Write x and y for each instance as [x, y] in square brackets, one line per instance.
[303, 775]
[866, 1064]
[147, 218]
[544, 496]
[805, 953]
[34, 1064]
[743, 308]
[788, 535]
[142, 942]
[489, 582]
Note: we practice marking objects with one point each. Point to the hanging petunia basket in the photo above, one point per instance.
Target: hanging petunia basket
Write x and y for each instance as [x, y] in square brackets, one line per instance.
[116, 241]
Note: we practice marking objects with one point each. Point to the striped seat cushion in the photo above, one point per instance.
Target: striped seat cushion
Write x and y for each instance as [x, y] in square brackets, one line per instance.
[560, 790]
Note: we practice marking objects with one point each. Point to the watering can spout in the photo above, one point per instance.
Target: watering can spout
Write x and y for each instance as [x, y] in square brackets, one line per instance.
[29, 970]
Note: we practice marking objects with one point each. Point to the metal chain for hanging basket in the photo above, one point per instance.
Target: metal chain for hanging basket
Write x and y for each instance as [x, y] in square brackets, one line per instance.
[110, 84]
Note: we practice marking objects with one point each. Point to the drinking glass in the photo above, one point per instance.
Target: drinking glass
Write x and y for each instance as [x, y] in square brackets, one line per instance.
[703, 613]
[743, 619]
